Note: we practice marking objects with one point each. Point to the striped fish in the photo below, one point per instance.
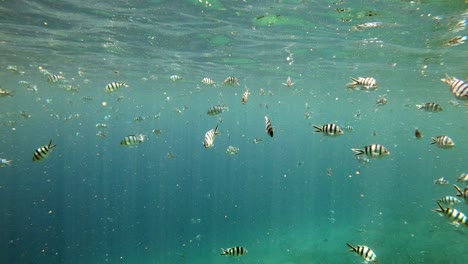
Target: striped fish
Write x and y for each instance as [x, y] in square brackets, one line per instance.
[366, 83]
[463, 177]
[268, 127]
[329, 129]
[443, 141]
[461, 193]
[372, 150]
[210, 135]
[132, 140]
[43, 152]
[175, 78]
[114, 86]
[217, 109]
[441, 181]
[231, 80]
[364, 251]
[55, 78]
[430, 107]
[459, 88]
[449, 200]
[453, 214]
[245, 96]
[208, 81]
[234, 251]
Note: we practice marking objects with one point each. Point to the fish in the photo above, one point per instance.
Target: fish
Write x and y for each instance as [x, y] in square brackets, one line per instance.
[175, 78]
[417, 133]
[381, 100]
[139, 119]
[457, 40]
[114, 86]
[453, 214]
[459, 88]
[210, 135]
[87, 98]
[231, 150]
[217, 109]
[430, 107]
[245, 96]
[441, 181]
[5, 162]
[364, 251]
[53, 78]
[43, 152]
[329, 129]
[5, 92]
[443, 141]
[289, 82]
[461, 193]
[372, 150]
[231, 80]
[463, 177]
[366, 83]
[449, 200]
[132, 140]
[349, 128]
[234, 251]
[208, 81]
[268, 127]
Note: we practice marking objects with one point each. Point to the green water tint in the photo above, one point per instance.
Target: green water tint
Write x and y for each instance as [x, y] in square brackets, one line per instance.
[278, 20]
[214, 39]
[211, 4]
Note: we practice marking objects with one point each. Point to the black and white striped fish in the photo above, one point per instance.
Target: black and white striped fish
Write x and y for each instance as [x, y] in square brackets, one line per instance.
[210, 135]
[268, 127]
[234, 251]
[441, 181]
[208, 81]
[329, 129]
[443, 141]
[231, 80]
[366, 83]
[430, 107]
[132, 140]
[53, 78]
[449, 200]
[175, 78]
[459, 88]
[363, 251]
[453, 214]
[217, 109]
[372, 150]
[460, 193]
[114, 86]
[43, 152]
[463, 177]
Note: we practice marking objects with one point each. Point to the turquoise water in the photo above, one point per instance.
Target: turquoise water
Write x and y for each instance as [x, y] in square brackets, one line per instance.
[296, 198]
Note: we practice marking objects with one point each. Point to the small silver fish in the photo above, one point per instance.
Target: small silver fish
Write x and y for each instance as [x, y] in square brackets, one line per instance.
[245, 96]
[441, 181]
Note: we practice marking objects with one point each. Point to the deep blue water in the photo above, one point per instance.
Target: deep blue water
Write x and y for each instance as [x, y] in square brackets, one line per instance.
[296, 198]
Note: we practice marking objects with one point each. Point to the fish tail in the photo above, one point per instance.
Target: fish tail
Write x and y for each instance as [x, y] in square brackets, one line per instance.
[50, 145]
[459, 191]
[440, 209]
[317, 129]
[224, 252]
[352, 84]
[419, 106]
[352, 248]
[434, 140]
[357, 151]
